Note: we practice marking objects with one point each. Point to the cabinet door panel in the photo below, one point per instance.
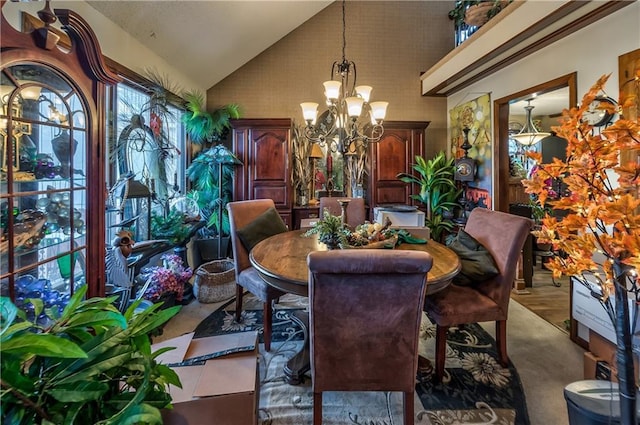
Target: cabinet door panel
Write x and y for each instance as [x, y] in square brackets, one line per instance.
[395, 154]
[277, 193]
[263, 145]
[269, 158]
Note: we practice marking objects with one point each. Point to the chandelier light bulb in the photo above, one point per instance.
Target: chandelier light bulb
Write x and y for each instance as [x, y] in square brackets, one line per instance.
[364, 92]
[378, 110]
[332, 90]
[309, 111]
[354, 106]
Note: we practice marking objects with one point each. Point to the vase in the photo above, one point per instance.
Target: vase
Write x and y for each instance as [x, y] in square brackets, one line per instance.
[64, 147]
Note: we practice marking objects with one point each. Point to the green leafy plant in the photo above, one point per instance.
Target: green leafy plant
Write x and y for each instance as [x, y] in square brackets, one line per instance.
[90, 364]
[203, 126]
[172, 227]
[205, 173]
[438, 190]
[330, 230]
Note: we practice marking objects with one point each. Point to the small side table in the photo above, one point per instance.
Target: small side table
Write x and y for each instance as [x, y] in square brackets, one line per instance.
[300, 213]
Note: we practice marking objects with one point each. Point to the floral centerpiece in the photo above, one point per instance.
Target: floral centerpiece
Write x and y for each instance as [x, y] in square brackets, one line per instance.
[168, 280]
[335, 234]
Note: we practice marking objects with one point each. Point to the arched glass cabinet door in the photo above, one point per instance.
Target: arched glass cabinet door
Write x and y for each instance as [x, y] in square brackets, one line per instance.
[43, 204]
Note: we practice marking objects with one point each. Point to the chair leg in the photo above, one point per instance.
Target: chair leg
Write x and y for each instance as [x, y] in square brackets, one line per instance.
[239, 291]
[408, 407]
[317, 408]
[501, 342]
[441, 351]
[268, 320]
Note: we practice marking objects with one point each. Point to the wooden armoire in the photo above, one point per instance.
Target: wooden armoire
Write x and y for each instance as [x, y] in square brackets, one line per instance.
[264, 147]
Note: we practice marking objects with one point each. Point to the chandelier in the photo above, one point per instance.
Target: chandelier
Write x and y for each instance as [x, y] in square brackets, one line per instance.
[529, 135]
[350, 121]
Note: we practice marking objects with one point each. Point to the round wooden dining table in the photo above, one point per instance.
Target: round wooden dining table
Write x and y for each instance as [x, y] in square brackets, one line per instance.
[281, 260]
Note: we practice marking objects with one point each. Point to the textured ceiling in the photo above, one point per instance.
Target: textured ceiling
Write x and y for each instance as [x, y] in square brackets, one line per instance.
[208, 40]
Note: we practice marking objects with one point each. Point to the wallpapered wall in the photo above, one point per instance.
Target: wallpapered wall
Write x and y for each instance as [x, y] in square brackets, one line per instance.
[391, 43]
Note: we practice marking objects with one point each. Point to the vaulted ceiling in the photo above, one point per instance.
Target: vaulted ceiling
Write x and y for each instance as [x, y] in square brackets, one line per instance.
[208, 40]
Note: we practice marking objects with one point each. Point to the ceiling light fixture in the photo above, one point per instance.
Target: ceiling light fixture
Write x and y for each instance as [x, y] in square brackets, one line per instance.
[529, 135]
[350, 121]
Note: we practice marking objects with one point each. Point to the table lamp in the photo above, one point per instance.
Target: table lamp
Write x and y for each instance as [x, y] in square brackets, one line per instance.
[316, 153]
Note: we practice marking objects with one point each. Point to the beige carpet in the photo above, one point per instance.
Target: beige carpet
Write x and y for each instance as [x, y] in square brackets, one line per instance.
[544, 356]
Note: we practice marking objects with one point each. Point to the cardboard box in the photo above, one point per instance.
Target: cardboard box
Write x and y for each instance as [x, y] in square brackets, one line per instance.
[590, 361]
[588, 311]
[308, 223]
[399, 218]
[219, 377]
[605, 351]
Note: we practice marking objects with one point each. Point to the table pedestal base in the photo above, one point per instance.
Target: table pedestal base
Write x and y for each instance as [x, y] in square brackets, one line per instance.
[300, 363]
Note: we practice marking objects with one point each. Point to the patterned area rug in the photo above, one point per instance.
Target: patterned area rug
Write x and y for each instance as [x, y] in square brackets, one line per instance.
[476, 389]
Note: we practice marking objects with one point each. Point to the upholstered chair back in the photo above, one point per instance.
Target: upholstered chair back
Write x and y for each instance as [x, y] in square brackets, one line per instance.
[365, 313]
[503, 235]
[241, 213]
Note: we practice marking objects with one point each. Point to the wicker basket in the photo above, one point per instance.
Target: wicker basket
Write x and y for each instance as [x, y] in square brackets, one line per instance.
[478, 15]
[215, 281]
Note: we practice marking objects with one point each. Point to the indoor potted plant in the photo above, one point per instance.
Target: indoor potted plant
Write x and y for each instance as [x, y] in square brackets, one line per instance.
[88, 364]
[330, 230]
[600, 231]
[166, 283]
[211, 173]
[438, 191]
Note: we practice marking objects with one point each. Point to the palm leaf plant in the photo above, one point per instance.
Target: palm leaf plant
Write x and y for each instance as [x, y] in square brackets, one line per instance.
[88, 364]
[212, 186]
[211, 172]
[205, 173]
[203, 126]
[438, 190]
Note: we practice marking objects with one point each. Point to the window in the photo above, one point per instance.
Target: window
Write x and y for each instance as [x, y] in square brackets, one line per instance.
[146, 162]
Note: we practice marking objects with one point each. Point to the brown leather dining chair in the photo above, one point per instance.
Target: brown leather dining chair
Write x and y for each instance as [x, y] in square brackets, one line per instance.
[241, 215]
[365, 312]
[503, 235]
[356, 212]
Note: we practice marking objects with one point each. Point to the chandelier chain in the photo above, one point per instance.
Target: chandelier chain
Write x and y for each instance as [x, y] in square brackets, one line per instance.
[344, 31]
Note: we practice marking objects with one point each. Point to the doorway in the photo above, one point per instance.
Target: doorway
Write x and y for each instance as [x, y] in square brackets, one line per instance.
[544, 298]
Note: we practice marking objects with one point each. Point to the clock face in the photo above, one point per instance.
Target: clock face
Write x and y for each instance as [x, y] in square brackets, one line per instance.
[465, 169]
[595, 115]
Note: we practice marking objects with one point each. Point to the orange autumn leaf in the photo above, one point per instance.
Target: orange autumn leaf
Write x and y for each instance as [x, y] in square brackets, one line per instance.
[599, 209]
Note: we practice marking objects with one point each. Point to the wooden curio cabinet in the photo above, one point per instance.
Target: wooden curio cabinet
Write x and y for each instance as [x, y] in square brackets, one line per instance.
[52, 139]
[395, 153]
[264, 147]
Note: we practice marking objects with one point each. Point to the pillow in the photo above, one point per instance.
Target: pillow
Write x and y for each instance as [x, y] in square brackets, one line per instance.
[267, 224]
[477, 263]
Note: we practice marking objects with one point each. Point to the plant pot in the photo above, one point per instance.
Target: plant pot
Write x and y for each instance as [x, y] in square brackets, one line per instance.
[207, 249]
[478, 15]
